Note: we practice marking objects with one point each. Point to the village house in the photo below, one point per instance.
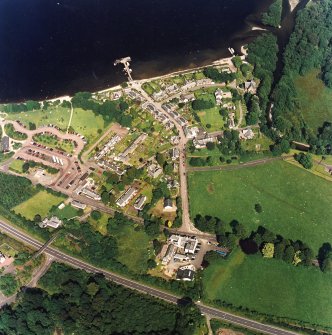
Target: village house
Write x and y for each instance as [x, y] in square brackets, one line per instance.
[186, 273]
[126, 197]
[190, 132]
[171, 89]
[175, 152]
[159, 95]
[169, 254]
[91, 194]
[115, 95]
[188, 85]
[200, 143]
[187, 97]
[168, 204]
[154, 170]
[53, 222]
[5, 144]
[139, 203]
[218, 95]
[78, 204]
[246, 134]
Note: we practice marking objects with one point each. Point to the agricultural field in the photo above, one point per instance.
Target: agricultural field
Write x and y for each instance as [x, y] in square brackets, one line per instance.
[298, 293]
[314, 98]
[40, 203]
[295, 202]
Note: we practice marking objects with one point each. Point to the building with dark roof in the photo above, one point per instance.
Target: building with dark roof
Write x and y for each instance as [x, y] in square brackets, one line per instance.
[185, 274]
[5, 144]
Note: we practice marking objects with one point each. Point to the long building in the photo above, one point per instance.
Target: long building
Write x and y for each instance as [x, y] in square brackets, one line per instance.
[126, 197]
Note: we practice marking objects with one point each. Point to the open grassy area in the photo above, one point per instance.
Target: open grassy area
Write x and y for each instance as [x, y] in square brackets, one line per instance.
[84, 122]
[314, 98]
[54, 142]
[67, 212]
[271, 286]
[40, 204]
[133, 247]
[209, 116]
[295, 202]
[17, 166]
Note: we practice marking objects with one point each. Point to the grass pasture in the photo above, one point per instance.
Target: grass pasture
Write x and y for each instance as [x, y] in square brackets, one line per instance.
[314, 98]
[296, 203]
[67, 212]
[40, 203]
[133, 247]
[271, 286]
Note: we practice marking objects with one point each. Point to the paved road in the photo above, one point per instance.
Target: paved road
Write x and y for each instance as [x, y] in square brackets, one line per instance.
[74, 262]
[187, 225]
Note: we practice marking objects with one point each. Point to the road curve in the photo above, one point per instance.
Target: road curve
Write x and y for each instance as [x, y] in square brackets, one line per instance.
[74, 262]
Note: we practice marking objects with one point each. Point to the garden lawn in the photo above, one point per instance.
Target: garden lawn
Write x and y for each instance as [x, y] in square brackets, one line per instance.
[211, 116]
[295, 202]
[271, 286]
[68, 212]
[134, 246]
[314, 98]
[40, 203]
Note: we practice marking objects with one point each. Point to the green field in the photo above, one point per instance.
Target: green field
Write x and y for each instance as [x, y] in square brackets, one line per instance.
[133, 248]
[271, 286]
[84, 122]
[17, 166]
[209, 116]
[68, 212]
[314, 98]
[40, 204]
[296, 203]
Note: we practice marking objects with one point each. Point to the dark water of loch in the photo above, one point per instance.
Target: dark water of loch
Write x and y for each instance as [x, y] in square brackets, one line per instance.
[55, 47]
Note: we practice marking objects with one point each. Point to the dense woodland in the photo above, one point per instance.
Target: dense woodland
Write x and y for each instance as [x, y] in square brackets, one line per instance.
[75, 302]
[309, 48]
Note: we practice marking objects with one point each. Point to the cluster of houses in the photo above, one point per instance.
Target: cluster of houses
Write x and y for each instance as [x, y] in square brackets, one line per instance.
[172, 89]
[108, 147]
[182, 248]
[174, 115]
[128, 195]
[162, 118]
[53, 222]
[86, 189]
[124, 156]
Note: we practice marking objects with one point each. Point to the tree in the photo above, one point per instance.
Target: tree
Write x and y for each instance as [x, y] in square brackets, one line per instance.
[151, 263]
[37, 218]
[8, 284]
[105, 197]
[327, 263]
[200, 104]
[289, 254]
[258, 208]
[160, 159]
[238, 229]
[96, 215]
[268, 250]
[304, 159]
[25, 167]
[210, 145]
[297, 258]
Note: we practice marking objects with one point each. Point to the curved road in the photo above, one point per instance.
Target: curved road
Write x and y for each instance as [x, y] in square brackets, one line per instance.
[74, 262]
